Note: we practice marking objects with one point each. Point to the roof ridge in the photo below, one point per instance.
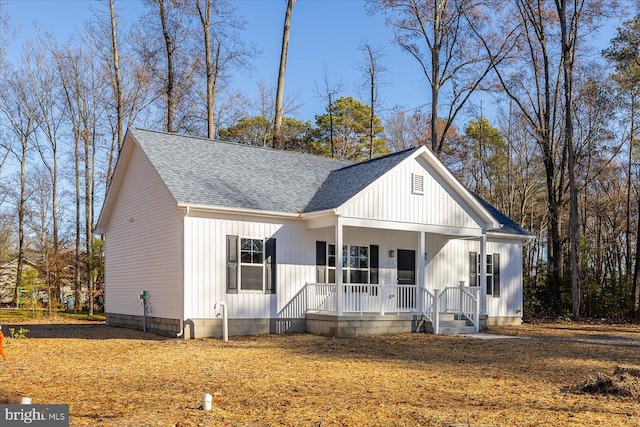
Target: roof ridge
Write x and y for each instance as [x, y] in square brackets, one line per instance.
[375, 159]
[247, 146]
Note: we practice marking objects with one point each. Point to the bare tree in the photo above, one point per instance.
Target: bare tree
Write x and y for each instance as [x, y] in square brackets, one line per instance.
[441, 36]
[329, 93]
[85, 100]
[172, 61]
[16, 105]
[50, 117]
[223, 47]
[371, 69]
[277, 127]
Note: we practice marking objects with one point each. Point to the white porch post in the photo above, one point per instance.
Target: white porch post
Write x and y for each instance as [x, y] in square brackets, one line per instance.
[483, 272]
[339, 262]
[421, 273]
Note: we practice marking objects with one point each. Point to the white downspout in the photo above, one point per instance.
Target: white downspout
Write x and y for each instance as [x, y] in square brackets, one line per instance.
[186, 214]
[225, 322]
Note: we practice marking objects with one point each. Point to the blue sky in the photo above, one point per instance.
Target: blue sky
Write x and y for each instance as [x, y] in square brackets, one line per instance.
[324, 32]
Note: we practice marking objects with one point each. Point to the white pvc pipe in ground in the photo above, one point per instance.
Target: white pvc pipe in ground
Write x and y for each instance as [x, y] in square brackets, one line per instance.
[225, 322]
[206, 401]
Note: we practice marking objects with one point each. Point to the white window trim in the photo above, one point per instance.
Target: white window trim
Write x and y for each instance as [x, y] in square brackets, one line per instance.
[346, 268]
[247, 264]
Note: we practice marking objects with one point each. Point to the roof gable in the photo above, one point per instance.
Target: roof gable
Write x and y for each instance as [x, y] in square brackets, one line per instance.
[215, 174]
[343, 184]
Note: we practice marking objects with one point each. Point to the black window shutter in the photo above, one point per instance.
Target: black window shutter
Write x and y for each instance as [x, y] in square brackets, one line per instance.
[321, 262]
[473, 269]
[374, 262]
[496, 275]
[232, 264]
[270, 266]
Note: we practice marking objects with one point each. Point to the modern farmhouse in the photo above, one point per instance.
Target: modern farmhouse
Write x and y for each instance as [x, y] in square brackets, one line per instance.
[291, 242]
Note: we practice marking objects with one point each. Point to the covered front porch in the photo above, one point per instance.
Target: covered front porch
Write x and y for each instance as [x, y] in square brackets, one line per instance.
[395, 277]
[349, 310]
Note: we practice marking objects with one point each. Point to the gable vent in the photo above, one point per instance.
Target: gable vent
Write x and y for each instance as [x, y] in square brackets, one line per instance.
[417, 184]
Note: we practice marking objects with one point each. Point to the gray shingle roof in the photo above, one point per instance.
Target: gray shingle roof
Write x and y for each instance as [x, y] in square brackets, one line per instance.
[214, 173]
[508, 225]
[342, 184]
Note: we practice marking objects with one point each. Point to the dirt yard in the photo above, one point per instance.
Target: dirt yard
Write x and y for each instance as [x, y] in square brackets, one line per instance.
[117, 377]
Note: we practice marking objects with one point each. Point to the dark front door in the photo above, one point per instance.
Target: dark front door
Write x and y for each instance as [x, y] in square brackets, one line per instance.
[406, 267]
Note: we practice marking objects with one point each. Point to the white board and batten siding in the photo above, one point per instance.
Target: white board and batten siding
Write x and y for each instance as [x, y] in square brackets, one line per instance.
[391, 198]
[205, 266]
[143, 245]
[447, 261]
[205, 263]
[448, 264]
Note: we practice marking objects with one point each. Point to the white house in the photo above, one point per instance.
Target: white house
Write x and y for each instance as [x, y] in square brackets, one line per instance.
[195, 222]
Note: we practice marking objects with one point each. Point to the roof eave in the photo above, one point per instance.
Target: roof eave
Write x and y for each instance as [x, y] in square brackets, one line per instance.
[188, 207]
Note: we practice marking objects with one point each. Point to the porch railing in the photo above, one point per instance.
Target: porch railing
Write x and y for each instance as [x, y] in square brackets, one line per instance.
[365, 298]
[461, 300]
[321, 297]
[383, 299]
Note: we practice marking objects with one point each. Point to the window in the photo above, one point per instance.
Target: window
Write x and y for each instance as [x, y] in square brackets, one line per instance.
[251, 265]
[256, 270]
[417, 184]
[359, 263]
[492, 269]
[357, 269]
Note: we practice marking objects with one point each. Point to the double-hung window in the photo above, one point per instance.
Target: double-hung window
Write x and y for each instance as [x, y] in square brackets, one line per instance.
[251, 265]
[492, 266]
[359, 263]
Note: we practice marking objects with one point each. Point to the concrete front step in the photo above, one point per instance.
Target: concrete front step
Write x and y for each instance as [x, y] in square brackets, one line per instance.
[457, 330]
[455, 324]
[450, 316]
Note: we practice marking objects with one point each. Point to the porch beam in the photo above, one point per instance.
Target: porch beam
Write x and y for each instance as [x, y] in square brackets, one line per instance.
[409, 226]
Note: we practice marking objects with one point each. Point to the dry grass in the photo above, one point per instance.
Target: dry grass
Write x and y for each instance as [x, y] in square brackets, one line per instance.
[118, 377]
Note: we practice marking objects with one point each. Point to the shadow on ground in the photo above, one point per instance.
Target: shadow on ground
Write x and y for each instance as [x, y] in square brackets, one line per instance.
[83, 331]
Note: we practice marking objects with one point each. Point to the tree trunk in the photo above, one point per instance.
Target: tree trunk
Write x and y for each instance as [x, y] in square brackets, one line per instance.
[117, 79]
[629, 278]
[636, 270]
[278, 137]
[568, 46]
[204, 12]
[77, 282]
[435, 76]
[168, 42]
[21, 213]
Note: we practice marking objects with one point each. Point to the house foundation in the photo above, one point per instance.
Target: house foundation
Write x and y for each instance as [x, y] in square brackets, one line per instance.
[360, 325]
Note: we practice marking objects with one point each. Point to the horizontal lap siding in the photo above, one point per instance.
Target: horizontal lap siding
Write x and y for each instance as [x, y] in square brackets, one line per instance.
[391, 199]
[143, 245]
